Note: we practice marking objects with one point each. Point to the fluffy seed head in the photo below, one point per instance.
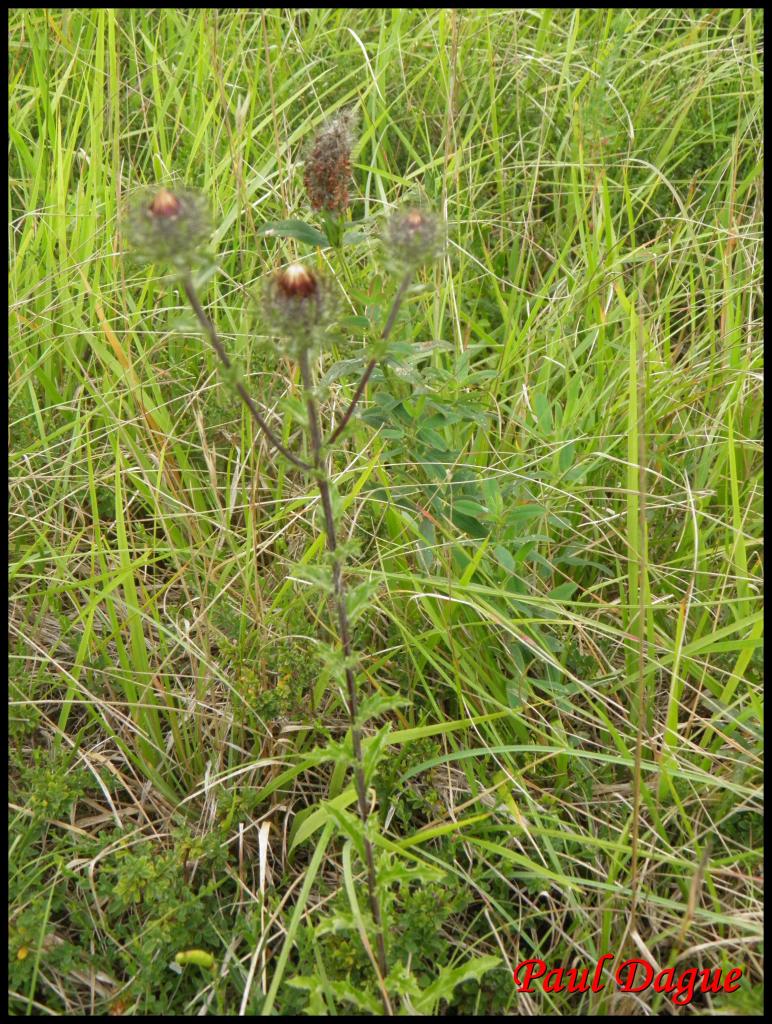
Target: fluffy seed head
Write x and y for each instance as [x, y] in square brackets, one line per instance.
[328, 165]
[166, 225]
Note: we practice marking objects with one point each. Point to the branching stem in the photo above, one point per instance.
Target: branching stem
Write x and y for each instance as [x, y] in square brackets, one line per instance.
[319, 469]
[217, 345]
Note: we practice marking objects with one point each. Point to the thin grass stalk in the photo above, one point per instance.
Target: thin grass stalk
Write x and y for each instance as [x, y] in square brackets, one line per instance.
[642, 553]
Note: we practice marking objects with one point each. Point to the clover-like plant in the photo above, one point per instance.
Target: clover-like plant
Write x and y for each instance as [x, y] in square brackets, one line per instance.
[298, 305]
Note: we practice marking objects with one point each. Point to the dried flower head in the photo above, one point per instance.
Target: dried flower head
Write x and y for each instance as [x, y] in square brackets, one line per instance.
[413, 236]
[328, 165]
[166, 225]
[298, 303]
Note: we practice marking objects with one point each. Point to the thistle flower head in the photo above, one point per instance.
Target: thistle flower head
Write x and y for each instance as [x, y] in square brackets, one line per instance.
[168, 225]
[413, 236]
[328, 164]
[298, 303]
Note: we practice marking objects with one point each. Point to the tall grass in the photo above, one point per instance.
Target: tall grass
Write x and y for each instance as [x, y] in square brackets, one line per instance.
[556, 492]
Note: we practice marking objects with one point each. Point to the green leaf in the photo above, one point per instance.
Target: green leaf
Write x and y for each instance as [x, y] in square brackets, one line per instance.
[504, 558]
[379, 704]
[354, 237]
[342, 369]
[429, 533]
[566, 457]
[493, 496]
[449, 977]
[470, 508]
[524, 513]
[317, 575]
[374, 751]
[429, 436]
[360, 598]
[354, 323]
[296, 229]
[348, 825]
[543, 410]
[342, 990]
[310, 819]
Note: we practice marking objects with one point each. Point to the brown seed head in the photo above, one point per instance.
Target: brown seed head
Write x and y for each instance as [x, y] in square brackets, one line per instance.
[328, 165]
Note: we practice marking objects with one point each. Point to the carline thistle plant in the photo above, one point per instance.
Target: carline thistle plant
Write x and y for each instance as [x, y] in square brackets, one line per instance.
[413, 236]
[168, 226]
[299, 303]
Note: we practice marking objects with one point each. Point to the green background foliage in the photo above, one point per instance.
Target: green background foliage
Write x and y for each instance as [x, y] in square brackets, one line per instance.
[553, 496]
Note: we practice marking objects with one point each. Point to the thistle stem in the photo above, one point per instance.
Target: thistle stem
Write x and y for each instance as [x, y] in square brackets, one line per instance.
[217, 345]
[339, 590]
[401, 291]
[319, 469]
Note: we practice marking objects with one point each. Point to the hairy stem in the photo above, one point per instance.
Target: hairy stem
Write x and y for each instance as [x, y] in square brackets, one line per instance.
[404, 285]
[339, 590]
[217, 345]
